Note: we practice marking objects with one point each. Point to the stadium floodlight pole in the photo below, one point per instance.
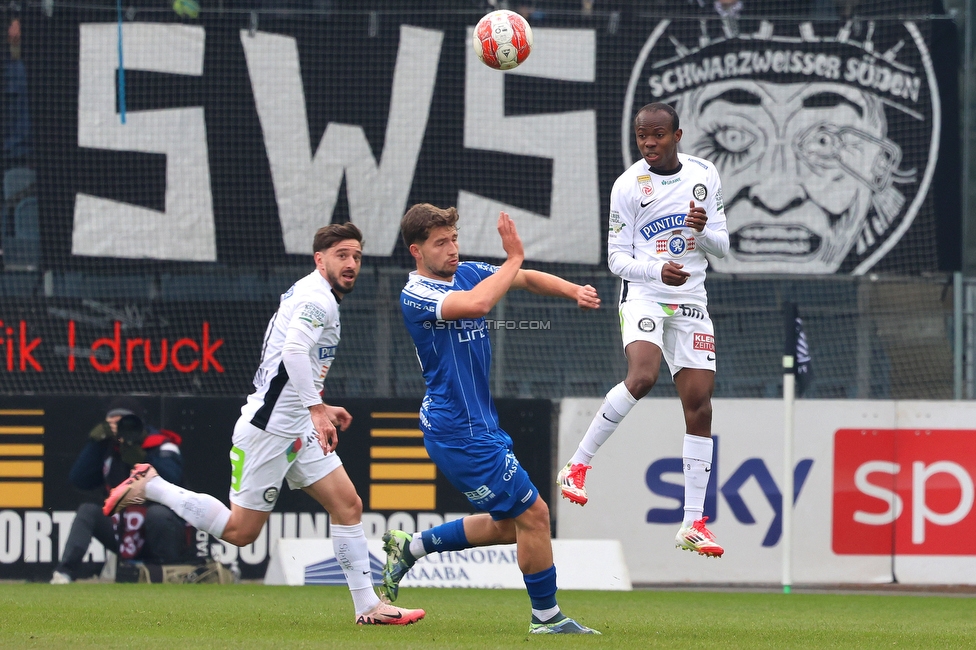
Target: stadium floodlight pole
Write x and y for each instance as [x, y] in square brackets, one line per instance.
[789, 396]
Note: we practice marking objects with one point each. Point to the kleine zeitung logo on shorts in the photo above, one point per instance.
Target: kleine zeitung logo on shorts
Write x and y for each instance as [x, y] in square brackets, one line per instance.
[704, 342]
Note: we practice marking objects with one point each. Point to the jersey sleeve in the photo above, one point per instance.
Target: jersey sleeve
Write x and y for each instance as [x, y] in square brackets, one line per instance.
[470, 273]
[303, 332]
[714, 238]
[620, 240]
[310, 317]
[480, 270]
[419, 304]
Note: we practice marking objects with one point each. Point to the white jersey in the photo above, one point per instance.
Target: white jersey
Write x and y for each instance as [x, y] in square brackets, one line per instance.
[275, 405]
[647, 216]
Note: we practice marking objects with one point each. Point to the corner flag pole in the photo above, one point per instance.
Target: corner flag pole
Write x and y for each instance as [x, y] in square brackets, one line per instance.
[789, 396]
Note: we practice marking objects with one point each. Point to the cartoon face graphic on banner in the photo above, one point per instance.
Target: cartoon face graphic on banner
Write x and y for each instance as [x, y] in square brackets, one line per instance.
[825, 145]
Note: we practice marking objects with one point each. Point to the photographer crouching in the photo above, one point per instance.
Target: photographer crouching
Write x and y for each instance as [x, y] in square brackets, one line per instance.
[152, 533]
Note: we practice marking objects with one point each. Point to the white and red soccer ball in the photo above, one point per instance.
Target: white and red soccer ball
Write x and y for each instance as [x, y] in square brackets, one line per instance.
[502, 39]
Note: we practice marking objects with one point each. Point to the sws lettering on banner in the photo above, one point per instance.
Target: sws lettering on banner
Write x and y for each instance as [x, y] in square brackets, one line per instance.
[308, 176]
[750, 468]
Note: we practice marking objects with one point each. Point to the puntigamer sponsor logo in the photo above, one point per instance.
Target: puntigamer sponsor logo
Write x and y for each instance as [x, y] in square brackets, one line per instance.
[661, 224]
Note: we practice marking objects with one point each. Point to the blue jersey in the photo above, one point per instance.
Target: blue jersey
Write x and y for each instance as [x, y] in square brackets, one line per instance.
[455, 356]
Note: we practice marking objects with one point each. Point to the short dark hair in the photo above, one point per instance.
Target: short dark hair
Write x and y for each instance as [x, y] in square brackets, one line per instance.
[328, 236]
[420, 219]
[662, 107]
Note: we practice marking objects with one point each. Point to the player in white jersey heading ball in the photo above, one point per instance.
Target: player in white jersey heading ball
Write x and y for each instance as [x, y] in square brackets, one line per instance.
[286, 432]
[666, 212]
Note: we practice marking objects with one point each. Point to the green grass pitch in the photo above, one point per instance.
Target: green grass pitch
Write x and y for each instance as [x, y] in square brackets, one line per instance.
[288, 618]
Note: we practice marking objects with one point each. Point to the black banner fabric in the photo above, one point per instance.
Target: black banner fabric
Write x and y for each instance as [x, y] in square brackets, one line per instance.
[381, 451]
[836, 141]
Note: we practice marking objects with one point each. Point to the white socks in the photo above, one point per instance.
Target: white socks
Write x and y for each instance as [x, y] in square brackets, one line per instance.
[615, 408]
[417, 549]
[207, 513]
[545, 614]
[697, 464]
[349, 544]
[199, 510]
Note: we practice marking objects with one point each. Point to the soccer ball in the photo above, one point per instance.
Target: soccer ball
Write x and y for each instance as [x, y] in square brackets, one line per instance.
[502, 40]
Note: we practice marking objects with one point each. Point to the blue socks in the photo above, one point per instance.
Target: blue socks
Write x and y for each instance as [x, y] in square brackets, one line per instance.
[542, 592]
[446, 537]
[541, 586]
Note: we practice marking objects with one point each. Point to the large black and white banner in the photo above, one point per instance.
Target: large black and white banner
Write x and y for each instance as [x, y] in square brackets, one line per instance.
[836, 141]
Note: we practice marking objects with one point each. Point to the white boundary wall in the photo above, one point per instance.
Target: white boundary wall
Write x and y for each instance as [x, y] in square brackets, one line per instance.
[619, 496]
[580, 564]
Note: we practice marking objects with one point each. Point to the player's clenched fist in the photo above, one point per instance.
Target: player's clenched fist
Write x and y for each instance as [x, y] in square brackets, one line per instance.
[696, 217]
[587, 298]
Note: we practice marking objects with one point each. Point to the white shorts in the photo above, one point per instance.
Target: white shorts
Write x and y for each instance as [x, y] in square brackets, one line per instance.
[683, 332]
[260, 460]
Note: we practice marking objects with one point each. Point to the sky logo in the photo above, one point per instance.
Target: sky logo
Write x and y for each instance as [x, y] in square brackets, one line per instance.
[750, 468]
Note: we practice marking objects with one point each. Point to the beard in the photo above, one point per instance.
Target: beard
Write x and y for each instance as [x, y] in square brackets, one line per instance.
[337, 284]
[445, 271]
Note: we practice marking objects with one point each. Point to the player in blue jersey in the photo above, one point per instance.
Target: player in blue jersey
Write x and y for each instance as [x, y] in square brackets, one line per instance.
[444, 305]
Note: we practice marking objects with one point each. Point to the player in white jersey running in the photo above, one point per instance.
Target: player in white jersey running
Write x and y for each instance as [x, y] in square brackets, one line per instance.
[286, 431]
[666, 212]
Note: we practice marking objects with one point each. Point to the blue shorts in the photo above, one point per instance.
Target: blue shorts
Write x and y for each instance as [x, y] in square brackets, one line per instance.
[486, 471]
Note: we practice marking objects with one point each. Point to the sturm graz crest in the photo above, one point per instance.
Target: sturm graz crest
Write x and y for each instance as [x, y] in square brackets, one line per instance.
[646, 325]
[825, 135]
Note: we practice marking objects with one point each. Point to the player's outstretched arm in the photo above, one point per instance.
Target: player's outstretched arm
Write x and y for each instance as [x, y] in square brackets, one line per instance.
[478, 301]
[546, 284]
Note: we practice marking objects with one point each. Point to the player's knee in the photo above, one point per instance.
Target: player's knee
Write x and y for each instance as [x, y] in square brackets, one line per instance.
[536, 517]
[349, 512]
[504, 531]
[701, 403]
[239, 536]
[698, 417]
[241, 533]
[356, 508]
[639, 383]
